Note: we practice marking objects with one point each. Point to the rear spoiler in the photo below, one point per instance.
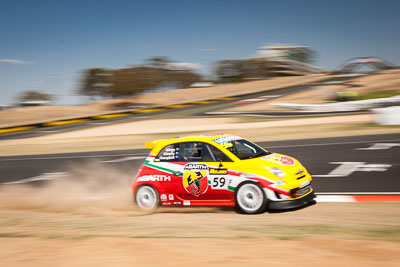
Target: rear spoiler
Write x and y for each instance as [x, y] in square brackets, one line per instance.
[152, 144]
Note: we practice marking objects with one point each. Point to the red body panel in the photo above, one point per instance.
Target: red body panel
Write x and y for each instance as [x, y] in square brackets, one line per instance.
[172, 191]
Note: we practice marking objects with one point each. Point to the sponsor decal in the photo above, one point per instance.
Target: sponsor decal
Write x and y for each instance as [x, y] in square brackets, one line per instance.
[171, 197]
[166, 158]
[195, 166]
[154, 178]
[163, 197]
[169, 153]
[227, 145]
[226, 139]
[177, 203]
[166, 203]
[186, 203]
[195, 178]
[218, 171]
[282, 160]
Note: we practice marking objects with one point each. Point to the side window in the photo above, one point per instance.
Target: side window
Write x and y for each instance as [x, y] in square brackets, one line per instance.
[195, 151]
[169, 153]
[191, 152]
[217, 154]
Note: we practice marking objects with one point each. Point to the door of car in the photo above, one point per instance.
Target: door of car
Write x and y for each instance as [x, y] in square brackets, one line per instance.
[205, 173]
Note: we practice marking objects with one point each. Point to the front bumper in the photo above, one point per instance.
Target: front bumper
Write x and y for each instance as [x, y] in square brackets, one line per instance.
[291, 204]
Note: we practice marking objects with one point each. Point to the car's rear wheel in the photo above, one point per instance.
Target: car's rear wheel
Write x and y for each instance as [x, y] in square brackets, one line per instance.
[250, 198]
[147, 198]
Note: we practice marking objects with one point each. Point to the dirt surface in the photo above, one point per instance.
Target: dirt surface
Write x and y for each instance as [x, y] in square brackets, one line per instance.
[179, 96]
[387, 80]
[196, 252]
[29, 115]
[88, 219]
[198, 125]
[320, 235]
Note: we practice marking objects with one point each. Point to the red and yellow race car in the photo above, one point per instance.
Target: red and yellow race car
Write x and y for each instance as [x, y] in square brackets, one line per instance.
[220, 170]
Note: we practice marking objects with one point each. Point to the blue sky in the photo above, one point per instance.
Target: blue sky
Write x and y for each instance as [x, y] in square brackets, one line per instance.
[44, 45]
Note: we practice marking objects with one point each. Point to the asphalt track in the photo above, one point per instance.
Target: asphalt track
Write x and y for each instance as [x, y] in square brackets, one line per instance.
[199, 108]
[358, 164]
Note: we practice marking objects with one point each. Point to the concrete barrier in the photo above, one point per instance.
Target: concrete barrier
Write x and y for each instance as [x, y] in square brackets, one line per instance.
[387, 116]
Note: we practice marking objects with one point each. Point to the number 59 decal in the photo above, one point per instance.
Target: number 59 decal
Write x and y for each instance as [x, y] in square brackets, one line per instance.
[218, 179]
[219, 182]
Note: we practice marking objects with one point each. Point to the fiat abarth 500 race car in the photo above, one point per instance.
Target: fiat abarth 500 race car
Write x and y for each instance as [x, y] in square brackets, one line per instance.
[220, 170]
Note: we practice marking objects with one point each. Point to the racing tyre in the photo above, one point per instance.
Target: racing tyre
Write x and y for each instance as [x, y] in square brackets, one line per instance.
[147, 198]
[250, 198]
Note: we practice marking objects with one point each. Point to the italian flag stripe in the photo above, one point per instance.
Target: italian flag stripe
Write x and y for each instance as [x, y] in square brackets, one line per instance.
[158, 167]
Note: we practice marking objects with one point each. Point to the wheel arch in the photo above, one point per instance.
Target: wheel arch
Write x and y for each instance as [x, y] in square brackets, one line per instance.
[149, 185]
[255, 182]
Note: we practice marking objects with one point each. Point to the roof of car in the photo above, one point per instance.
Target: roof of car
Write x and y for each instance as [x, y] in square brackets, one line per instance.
[203, 137]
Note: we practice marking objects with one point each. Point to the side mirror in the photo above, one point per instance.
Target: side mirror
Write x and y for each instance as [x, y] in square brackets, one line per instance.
[220, 164]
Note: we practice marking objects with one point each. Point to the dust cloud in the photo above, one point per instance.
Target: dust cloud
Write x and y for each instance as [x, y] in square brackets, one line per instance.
[88, 188]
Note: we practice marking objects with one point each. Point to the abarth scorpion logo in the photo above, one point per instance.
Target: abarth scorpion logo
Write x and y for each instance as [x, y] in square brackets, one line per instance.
[195, 178]
[195, 182]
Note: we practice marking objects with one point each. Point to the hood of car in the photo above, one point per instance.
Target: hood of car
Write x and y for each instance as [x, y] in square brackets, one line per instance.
[273, 163]
[273, 160]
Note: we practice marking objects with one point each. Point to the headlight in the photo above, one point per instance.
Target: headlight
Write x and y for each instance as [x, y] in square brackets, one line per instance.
[278, 172]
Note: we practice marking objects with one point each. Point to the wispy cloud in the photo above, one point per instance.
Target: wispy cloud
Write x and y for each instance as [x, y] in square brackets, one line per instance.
[14, 61]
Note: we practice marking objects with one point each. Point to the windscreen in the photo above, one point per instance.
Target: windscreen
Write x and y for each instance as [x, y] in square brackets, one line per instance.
[241, 148]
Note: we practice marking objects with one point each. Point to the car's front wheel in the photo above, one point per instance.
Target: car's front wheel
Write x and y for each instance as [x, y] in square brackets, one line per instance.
[147, 198]
[250, 198]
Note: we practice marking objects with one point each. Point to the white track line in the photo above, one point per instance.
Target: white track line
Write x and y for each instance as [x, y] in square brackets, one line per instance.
[42, 177]
[338, 143]
[379, 146]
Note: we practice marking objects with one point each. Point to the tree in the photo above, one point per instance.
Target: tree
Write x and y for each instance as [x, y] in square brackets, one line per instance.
[134, 80]
[157, 73]
[34, 96]
[95, 82]
[182, 79]
[157, 62]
